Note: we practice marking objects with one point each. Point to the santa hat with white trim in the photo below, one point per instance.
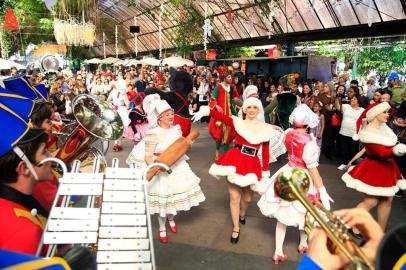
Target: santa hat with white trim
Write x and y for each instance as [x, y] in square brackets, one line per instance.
[250, 91]
[369, 114]
[251, 101]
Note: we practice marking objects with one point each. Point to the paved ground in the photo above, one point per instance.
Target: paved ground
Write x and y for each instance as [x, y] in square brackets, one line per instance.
[203, 238]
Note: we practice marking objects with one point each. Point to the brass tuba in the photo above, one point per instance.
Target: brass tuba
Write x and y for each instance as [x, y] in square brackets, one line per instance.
[96, 122]
[49, 63]
[293, 184]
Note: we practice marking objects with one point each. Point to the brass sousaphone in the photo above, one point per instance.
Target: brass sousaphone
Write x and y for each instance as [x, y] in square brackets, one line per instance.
[96, 122]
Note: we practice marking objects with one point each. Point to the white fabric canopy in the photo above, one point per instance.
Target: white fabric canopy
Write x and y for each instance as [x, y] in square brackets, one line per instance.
[109, 60]
[7, 64]
[133, 62]
[177, 61]
[93, 61]
[121, 62]
[150, 61]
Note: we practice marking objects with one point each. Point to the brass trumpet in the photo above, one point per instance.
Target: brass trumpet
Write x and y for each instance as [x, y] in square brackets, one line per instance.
[293, 184]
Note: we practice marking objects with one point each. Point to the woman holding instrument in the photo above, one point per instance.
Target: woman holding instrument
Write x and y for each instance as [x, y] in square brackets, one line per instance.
[303, 152]
[168, 193]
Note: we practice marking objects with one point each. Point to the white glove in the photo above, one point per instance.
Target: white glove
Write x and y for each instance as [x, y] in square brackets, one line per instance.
[266, 174]
[325, 198]
[399, 149]
[204, 111]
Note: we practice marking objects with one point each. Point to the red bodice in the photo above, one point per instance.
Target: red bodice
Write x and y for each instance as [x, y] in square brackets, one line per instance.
[295, 143]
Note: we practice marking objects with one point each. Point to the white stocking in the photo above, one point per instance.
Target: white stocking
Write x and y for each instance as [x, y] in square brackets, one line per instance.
[162, 227]
[279, 238]
[303, 238]
[171, 220]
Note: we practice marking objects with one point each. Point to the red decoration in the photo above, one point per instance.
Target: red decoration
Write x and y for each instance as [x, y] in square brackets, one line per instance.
[10, 21]
[270, 52]
[211, 55]
[229, 17]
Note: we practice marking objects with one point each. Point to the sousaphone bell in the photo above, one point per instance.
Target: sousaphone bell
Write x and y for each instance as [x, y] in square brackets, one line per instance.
[96, 122]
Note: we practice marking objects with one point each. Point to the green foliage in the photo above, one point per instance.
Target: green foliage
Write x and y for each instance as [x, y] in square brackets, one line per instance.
[4, 5]
[35, 23]
[189, 31]
[381, 57]
[382, 60]
[240, 52]
[73, 7]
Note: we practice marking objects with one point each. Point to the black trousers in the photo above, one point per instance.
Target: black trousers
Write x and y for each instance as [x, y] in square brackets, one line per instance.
[349, 148]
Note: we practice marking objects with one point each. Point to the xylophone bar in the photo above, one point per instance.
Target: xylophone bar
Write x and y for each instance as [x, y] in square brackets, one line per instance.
[121, 232]
[125, 266]
[123, 256]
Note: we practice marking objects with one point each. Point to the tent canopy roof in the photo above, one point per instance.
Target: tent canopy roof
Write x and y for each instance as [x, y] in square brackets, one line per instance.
[239, 20]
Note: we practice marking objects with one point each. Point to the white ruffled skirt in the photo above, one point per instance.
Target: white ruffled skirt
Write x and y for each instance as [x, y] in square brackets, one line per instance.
[174, 192]
[288, 213]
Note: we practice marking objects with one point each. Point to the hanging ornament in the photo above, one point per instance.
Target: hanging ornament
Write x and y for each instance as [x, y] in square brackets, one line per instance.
[10, 21]
[229, 17]
[50, 3]
[161, 12]
[370, 11]
[73, 33]
[104, 45]
[136, 38]
[116, 41]
[206, 28]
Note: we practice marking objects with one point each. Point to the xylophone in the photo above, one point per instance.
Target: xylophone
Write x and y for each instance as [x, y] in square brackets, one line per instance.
[111, 217]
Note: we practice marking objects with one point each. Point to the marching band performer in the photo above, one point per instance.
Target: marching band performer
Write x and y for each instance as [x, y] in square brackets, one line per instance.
[303, 152]
[377, 175]
[118, 97]
[19, 87]
[168, 193]
[240, 166]
[22, 216]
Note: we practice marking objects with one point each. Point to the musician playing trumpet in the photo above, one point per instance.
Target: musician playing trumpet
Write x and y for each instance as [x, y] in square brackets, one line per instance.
[303, 152]
[168, 193]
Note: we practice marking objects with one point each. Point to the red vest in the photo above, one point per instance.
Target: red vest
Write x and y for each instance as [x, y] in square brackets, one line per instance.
[224, 99]
[295, 143]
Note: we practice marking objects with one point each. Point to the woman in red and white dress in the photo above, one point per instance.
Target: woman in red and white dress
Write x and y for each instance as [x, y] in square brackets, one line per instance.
[240, 165]
[377, 175]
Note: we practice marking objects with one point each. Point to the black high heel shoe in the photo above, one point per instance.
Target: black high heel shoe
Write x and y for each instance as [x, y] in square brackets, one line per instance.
[234, 240]
[242, 220]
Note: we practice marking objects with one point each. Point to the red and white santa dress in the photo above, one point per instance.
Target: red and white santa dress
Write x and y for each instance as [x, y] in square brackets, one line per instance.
[241, 165]
[377, 174]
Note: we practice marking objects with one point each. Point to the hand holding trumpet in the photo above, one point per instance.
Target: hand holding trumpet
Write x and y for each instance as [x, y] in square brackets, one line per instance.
[357, 218]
